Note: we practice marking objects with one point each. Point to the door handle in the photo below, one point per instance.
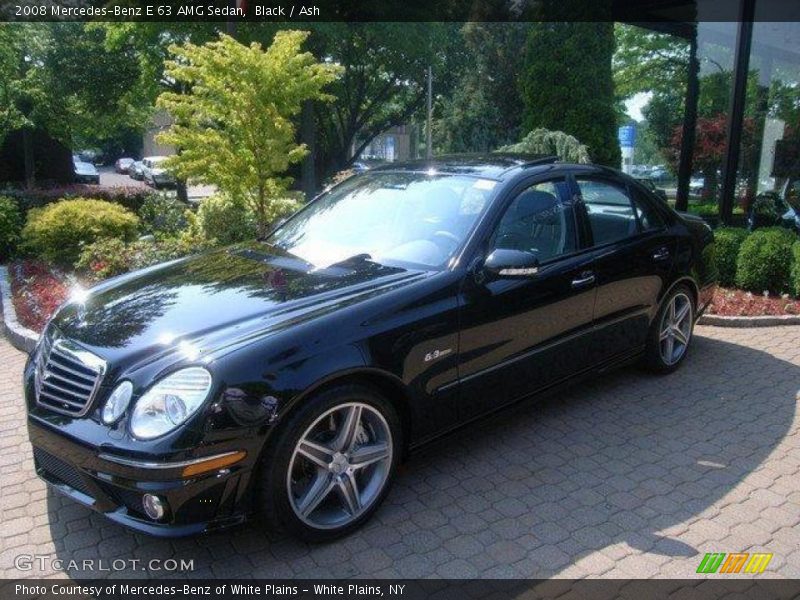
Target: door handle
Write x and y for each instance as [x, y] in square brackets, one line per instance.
[586, 278]
[661, 254]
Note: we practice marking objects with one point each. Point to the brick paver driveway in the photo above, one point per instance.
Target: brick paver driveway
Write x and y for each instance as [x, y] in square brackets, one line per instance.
[627, 476]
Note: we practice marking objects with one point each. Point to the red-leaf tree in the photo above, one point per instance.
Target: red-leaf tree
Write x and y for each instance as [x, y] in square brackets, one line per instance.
[709, 150]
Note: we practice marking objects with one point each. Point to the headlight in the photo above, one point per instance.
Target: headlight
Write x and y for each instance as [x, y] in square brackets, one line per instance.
[170, 402]
[117, 402]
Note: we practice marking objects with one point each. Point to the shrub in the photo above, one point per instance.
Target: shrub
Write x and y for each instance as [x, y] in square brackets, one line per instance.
[764, 261]
[765, 210]
[710, 209]
[131, 197]
[162, 215]
[795, 273]
[10, 226]
[704, 209]
[103, 258]
[58, 231]
[728, 240]
[109, 257]
[558, 143]
[225, 220]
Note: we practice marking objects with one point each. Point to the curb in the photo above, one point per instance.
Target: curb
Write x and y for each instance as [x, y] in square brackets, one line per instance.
[766, 321]
[20, 336]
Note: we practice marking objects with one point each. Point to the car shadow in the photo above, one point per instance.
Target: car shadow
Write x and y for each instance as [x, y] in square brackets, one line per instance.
[626, 459]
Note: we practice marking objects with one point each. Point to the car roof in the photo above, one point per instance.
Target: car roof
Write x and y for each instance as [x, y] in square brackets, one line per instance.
[490, 166]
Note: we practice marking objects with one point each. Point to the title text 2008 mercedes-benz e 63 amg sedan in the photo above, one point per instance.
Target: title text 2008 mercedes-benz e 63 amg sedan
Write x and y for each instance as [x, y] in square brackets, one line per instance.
[289, 377]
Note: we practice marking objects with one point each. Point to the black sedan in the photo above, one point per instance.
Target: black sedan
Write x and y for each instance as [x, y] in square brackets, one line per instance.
[290, 376]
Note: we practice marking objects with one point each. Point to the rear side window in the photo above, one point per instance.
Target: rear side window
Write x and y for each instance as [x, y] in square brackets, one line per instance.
[649, 217]
[609, 210]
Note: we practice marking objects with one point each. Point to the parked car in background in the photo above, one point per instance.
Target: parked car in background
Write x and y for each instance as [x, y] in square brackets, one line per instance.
[658, 173]
[188, 396]
[123, 165]
[136, 170]
[772, 208]
[85, 172]
[650, 185]
[696, 184]
[90, 155]
[154, 173]
[791, 192]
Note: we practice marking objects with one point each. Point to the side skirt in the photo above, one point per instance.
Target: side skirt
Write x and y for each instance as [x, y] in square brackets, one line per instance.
[539, 395]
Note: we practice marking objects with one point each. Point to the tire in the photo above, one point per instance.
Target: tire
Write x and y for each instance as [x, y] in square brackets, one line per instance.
[671, 331]
[331, 467]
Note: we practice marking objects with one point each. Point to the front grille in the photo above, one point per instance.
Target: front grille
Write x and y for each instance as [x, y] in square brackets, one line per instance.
[57, 470]
[67, 376]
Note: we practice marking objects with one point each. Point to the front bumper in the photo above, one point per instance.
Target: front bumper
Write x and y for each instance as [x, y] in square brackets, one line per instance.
[93, 477]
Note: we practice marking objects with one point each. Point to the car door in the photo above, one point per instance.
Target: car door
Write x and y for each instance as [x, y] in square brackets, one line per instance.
[519, 335]
[633, 258]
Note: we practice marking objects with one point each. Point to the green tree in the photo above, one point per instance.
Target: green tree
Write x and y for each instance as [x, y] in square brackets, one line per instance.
[383, 83]
[10, 115]
[483, 111]
[97, 86]
[63, 79]
[647, 151]
[235, 124]
[566, 84]
[649, 61]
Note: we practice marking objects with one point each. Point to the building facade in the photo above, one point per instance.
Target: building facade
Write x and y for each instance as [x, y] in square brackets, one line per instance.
[740, 130]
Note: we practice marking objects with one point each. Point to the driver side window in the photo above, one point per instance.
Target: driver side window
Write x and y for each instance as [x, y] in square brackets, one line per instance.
[540, 221]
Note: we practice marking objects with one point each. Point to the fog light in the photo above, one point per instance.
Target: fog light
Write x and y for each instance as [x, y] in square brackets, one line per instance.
[154, 506]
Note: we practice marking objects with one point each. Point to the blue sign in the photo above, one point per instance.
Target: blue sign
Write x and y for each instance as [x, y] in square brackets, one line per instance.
[627, 136]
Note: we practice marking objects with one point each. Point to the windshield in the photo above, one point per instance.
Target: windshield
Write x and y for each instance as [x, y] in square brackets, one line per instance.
[403, 218]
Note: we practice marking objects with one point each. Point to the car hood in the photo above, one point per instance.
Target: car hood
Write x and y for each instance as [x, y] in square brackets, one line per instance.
[215, 300]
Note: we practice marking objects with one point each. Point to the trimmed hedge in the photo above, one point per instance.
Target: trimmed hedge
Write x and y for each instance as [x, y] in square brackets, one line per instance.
[131, 197]
[10, 227]
[59, 231]
[765, 260]
[795, 274]
[728, 241]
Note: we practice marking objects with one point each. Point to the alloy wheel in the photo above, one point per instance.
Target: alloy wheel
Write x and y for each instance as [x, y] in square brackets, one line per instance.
[676, 329]
[340, 465]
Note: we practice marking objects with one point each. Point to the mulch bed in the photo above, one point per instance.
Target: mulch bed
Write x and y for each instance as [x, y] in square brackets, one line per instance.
[37, 290]
[737, 303]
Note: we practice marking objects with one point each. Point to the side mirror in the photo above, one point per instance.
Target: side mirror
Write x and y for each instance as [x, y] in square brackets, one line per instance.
[514, 264]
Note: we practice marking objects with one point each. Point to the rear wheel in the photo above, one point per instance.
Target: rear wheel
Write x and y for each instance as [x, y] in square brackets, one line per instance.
[671, 332]
[333, 464]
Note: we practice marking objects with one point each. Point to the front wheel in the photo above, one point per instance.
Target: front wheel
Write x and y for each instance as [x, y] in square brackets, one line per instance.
[332, 465]
[671, 332]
